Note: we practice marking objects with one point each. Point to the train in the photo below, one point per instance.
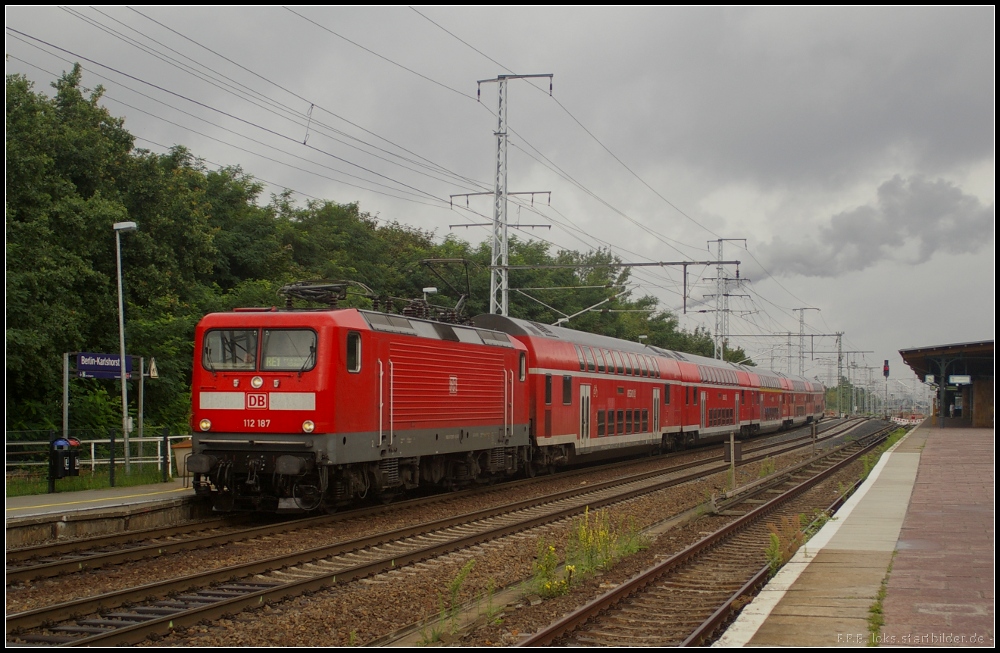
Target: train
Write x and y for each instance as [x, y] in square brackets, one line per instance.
[299, 410]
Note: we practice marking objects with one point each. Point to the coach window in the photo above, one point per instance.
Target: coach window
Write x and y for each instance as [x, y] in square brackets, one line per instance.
[591, 364]
[353, 351]
[628, 421]
[694, 392]
[567, 390]
[621, 422]
[523, 366]
[628, 363]
[666, 394]
[619, 368]
[600, 360]
[548, 388]
[600, 423]
[645, 420]
[579, 355]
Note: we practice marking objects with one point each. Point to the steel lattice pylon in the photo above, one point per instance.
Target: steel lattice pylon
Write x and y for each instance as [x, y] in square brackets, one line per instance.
[499, 259]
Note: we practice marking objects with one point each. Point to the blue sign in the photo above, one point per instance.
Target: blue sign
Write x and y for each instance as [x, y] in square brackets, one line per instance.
[102, 366]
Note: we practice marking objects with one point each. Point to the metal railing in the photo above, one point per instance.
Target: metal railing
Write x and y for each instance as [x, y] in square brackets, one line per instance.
[31, 457]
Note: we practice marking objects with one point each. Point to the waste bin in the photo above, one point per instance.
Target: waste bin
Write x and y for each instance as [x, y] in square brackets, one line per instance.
[64, 458]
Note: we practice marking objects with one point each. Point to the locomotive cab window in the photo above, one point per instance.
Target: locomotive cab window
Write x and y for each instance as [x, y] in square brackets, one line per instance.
[230, 349]
[353, 351]
[288, 350]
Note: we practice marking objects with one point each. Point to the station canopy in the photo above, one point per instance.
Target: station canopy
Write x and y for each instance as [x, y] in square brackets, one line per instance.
[975, 359]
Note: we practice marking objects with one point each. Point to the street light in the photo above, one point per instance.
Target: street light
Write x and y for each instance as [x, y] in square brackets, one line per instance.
[119, 228]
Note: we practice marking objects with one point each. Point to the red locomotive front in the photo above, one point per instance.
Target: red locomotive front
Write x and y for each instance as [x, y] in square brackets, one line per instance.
[293, 410]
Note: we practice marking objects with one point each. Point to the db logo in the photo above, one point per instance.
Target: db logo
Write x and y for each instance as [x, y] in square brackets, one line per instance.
[257, 400]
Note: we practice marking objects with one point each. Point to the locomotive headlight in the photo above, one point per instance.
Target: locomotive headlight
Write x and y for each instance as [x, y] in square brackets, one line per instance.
[256, 382]
[205, 424]
[308, 426]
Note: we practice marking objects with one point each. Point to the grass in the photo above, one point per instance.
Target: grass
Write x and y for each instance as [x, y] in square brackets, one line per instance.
[24, 485]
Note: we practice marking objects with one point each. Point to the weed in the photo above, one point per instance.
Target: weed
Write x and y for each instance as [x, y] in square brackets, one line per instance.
[812, 524]
[844, 490]
[596, 545]
[546, 563]
[447, 620]
[876, 618]
[868, 461]
[786, 537]
[767, 467]
[491, 612]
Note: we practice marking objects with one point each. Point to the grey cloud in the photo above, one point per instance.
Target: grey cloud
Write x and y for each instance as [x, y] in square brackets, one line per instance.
[929, 215]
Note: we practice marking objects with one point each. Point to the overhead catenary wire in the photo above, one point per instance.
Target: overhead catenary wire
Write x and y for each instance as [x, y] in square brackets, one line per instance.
[432, 195]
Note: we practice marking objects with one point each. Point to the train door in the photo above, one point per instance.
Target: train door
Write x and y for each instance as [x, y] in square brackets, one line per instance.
[584, 411]
[656, 411]
[736, 409]
[704, 403]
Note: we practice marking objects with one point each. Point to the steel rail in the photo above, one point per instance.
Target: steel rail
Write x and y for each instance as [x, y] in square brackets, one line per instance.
[557, 629]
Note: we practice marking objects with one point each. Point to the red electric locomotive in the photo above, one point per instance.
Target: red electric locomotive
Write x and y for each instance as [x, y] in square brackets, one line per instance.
[293, 410]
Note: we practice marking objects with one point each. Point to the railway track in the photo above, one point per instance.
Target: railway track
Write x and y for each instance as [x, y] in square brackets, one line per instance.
[683, 600]
[161, 606]
[60, 558]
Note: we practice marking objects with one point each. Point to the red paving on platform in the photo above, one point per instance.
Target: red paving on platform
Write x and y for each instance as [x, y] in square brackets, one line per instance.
[941, 589]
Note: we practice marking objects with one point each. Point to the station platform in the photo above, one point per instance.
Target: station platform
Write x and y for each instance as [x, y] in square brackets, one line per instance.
[66, 502]
[39, 518]
[922, 524]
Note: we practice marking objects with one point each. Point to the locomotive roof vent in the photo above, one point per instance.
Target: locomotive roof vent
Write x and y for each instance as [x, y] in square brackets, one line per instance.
[544, 329]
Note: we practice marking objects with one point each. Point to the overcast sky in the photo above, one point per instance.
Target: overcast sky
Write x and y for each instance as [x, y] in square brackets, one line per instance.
[852, 149]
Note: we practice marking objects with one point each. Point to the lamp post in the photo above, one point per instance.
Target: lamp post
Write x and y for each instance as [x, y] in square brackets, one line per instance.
[119, 228]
